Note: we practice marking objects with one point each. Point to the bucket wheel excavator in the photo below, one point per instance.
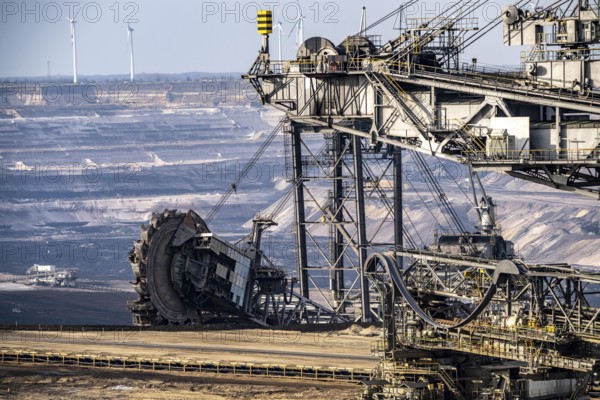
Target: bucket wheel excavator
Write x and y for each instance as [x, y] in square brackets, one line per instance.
[185, 274]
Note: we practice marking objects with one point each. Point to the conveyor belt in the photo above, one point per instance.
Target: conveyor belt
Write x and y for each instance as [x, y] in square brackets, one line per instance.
[509, 89]
[114, 361]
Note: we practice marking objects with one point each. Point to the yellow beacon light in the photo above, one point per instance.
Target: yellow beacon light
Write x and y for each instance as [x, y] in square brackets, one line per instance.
[265, 22]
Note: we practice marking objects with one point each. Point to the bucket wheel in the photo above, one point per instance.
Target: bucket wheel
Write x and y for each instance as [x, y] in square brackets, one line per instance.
[152, 260]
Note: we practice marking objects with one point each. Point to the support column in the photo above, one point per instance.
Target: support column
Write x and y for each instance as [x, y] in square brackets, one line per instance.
[435, 110]
[563, 140]
[398, 217]
[389, 319]
[361, 227]
[301, 254]
[337, 247]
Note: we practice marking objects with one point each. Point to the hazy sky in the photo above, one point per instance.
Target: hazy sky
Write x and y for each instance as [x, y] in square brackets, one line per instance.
[187, 35]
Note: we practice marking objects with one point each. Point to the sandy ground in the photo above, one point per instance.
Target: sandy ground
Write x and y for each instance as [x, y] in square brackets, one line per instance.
[35, 382]
[349, 348]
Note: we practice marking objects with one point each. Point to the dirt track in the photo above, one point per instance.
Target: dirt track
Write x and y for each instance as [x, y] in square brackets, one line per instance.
[40, 382]
[329, 349]
[349, 348]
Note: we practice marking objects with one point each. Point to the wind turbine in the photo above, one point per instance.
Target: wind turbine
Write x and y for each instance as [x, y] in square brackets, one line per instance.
[299, 28]
[535, 6]
[280, 28]
[74, 45]
[130, 37]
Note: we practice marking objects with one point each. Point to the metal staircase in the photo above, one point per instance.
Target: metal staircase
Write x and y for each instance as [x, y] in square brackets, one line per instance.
[387, 84]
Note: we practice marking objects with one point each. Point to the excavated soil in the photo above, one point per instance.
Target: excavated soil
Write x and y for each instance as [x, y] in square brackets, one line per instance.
[35, 382]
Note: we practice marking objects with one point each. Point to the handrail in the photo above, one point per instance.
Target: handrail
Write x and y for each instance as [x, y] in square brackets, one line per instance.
[491, 78]
[533, 155]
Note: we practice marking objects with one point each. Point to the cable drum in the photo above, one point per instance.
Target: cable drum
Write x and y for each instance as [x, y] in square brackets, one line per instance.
[502, 271]
[511, 15]
[531, 68]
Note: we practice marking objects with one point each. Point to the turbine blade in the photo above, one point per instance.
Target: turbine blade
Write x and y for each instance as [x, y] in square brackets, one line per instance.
[292, 30]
